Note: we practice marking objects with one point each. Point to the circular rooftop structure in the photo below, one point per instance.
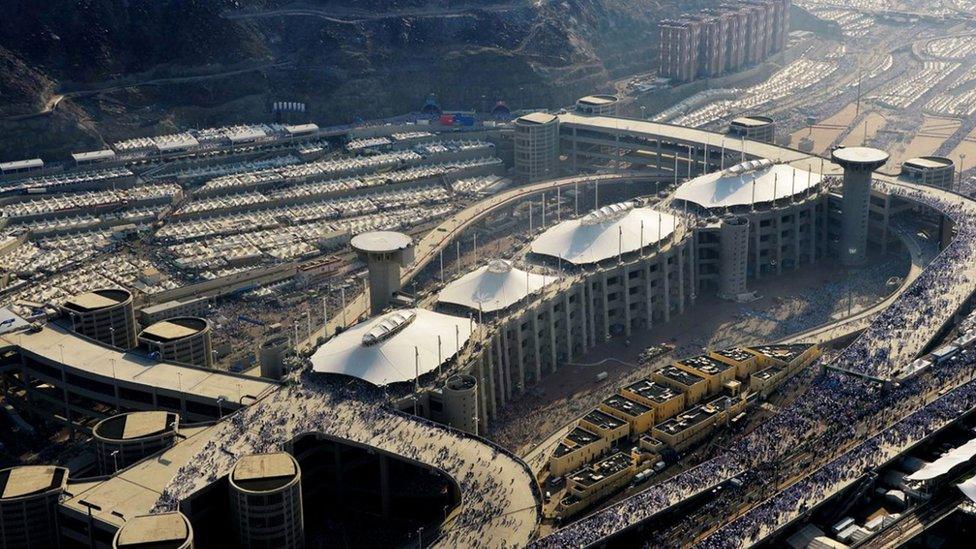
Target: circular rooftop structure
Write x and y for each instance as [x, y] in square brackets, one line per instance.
[258, 473]
[536, 119]
[394, 347]
[27, 481]
[95, 300]
[756, 181]
[605, 233]
[929, 163]
[493, 287]
[162, 531]
[134, 426]
[866, 156]
[174, 329]
[381, 242]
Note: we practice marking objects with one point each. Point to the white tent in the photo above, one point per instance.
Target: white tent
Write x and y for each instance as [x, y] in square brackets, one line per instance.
[494, 287]
[946, 462]
[755, 181]
[394, 347]
[605, 233]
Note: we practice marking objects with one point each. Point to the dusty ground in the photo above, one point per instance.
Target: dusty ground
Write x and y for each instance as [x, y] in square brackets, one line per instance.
[934, 131]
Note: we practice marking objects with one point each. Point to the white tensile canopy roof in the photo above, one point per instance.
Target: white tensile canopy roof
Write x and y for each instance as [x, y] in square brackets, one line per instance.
[383, 350]
[734, 186]
[605, 233]
[496, 286]
[946, 462]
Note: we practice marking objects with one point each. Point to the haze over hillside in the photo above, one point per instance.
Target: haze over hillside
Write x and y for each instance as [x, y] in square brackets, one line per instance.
[204, 62]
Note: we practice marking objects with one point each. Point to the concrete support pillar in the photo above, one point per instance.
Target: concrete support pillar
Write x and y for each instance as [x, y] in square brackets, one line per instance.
[625, 279]
[606, 307]
[884, 226]
[666, 290]
[569, 327]
[536, 347]
[553, 358]
[693, 265]
[648, 296]
[483, 383]
[796, 240]
[493, 401]
[584, 312]
[814, 234]
[504, 376]
[520, 357]
[758, 250]
[681, 280]
[779, 243]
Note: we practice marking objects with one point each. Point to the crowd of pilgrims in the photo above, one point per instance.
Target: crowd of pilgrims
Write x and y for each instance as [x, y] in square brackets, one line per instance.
[493, 483]
[839, 415]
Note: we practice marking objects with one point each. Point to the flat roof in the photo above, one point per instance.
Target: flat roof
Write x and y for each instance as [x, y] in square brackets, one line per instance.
[576, 439]
[598, 99]
[687, 419]
[145, 423]
[706, 364]
[150, 530]
[737, 354]
[603, 420]
[608, 466]
[174, 328]
[134, 425]
[859, 155]
[262, 472]
[88, 356]
[99, 299]
[785, 352]
[380, 241]
[89, 156]
[301, 128]
[626, 406]
[29, 479]
[685, 378]
[928, 162]
[768, 372]
[690, 135]
[752, 121]
[653, 391]
[537, 118]
[22, 164]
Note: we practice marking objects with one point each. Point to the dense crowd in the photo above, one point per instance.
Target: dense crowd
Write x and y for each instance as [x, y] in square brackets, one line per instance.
[498, 497]
[837, 411]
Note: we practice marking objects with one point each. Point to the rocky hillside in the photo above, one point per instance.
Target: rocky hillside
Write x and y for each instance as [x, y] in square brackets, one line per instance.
[133, 67]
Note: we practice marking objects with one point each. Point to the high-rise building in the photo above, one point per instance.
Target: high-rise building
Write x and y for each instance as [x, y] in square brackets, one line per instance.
[680, 40]
[723, 39]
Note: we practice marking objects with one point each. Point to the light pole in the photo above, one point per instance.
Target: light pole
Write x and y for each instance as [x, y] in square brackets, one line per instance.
[115, 460]
[220, 407]
[111, 331]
